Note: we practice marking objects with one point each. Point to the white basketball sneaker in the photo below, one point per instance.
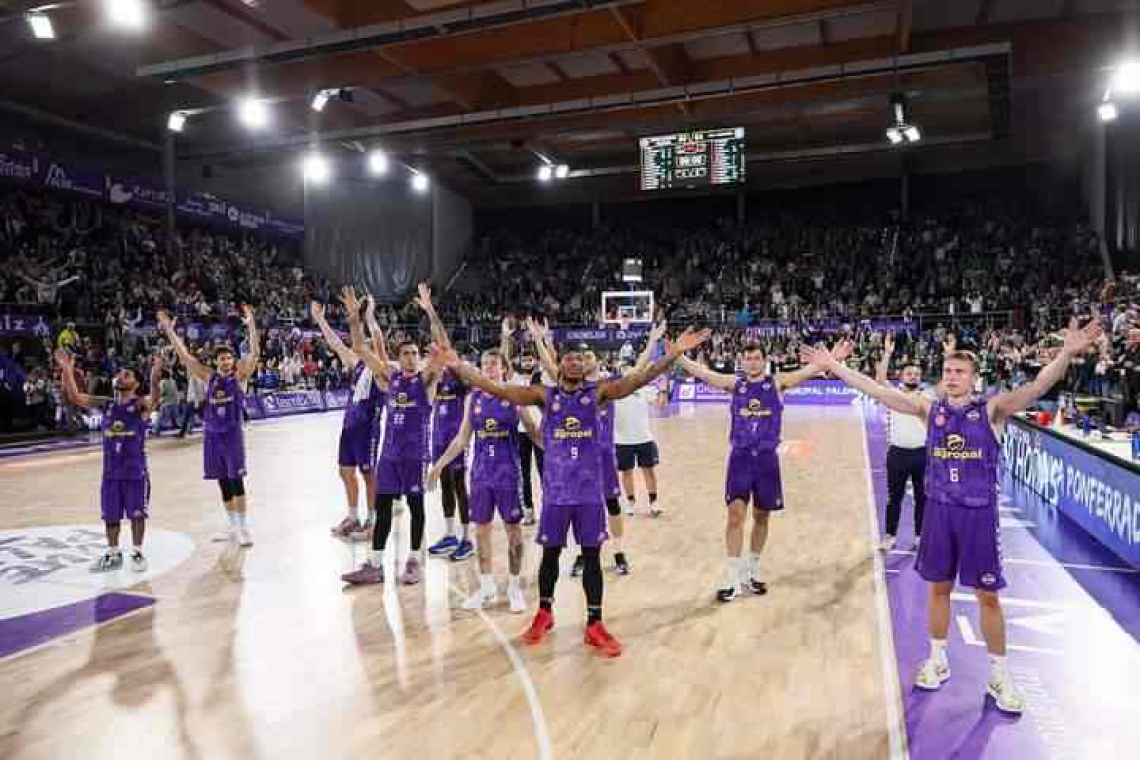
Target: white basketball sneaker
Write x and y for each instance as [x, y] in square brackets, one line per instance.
[244, 539]
[1006, 696]
[932, 674]
[479, 600]
[138, 561]
[888, 543]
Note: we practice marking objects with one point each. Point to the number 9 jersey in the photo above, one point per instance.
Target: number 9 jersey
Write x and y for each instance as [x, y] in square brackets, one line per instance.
[570, 435]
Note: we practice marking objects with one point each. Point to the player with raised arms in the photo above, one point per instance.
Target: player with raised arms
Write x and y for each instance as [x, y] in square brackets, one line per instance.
[125, 491]
[223, 446]
[753, 463]
[495, 479]
[356, 451]
[571, 481]
[961, 529]
[403, 451]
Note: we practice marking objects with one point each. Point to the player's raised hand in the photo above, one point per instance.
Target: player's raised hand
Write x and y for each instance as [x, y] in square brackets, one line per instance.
[247, 315]
[689, 340]
[165, 321]
[1078, 339]
[818, 356]
[443, 358]
[317, 310]
[950, 344]
[423, 300]
[370, 309]
[157, 363]
[658, 331]
[842, 350]
[65, 359]
[889, 343]
[351, 302]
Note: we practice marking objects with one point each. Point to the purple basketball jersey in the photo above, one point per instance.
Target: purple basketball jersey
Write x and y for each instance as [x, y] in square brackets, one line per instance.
[224, 400]
[570, 473]
[447, 412]
[364, 400]
[963, 454]
[757, 415]
[405, 430]
[607, 452]
[494, 423]
[124, 441]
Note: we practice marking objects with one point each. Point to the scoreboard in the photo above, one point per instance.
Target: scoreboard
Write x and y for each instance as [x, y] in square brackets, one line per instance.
[693, 159]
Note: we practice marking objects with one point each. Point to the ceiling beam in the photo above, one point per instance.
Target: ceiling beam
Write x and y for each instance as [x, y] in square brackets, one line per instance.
[669, 63]
[824, 32]
[477, 92]
[619, 62]
[559, 72]
[507, 37]
[245, 16]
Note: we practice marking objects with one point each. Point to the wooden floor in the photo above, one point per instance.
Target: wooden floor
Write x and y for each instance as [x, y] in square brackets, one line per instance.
[264, 654]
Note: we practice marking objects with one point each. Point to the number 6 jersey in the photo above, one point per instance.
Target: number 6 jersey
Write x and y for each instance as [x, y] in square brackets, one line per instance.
[963, 454]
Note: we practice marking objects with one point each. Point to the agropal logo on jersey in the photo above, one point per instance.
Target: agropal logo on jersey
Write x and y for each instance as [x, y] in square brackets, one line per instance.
[956, 448]
[572, 428]
[755, 409]
[491, 429]
[402, 401]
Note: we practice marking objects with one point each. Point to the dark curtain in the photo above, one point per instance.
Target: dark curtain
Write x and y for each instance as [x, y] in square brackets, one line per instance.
[375, 235]
[1122, 194]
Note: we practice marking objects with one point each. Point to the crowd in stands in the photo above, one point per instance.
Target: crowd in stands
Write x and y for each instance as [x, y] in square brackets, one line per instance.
[988, 272]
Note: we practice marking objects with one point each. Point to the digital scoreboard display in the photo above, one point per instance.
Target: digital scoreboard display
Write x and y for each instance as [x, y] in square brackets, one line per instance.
[693, 159]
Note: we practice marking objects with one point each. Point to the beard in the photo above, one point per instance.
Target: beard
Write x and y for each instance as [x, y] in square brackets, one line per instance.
[911, 386]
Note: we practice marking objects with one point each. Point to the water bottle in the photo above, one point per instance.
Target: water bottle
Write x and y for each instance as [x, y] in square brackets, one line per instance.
[1136, 445]
[1086, 425]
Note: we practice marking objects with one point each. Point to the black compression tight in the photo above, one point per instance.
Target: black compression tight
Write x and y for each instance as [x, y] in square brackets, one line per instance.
[592, 582]
[454, 488]
[231, 488]
[383, 526]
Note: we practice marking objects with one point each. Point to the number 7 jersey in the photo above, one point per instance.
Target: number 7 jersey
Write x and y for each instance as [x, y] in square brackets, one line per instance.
[570, 473]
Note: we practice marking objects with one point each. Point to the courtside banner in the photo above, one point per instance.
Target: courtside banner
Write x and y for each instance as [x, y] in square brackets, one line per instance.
[337, 399]
[1101, 496]
[284, 403]
[818, 392]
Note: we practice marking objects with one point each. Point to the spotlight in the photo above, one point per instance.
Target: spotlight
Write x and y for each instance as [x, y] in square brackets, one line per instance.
[420, 182]
[562, 171]
[545, 172]
[320, 100]
[253, 113]
[315, 167]
[894, 135]
[378, 162]
[129, 14]
[176, 122]
[1127, 78]
[1107, 111]
[912, 134]
[41, 25]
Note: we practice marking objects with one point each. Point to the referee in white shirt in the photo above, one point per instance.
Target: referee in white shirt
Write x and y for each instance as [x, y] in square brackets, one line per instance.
[633, 437]
[906, 456]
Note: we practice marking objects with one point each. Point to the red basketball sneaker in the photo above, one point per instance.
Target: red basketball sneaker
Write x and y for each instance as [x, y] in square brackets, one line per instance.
[598, 637]
[539, 627]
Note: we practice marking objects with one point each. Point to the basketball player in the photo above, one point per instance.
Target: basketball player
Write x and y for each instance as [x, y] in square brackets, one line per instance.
[633, 434]
[753, 464]
[495, 479]
[447, 395]
[961, 535]
[223, 450]
[571, 482]
[403, 451]
[906, 454]
[125, 491]
[357, 449]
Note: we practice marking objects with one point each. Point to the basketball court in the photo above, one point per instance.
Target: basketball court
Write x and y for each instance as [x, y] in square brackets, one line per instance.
[264, 653]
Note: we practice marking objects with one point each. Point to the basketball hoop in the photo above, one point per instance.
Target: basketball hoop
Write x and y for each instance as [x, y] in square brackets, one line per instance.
[623, 323]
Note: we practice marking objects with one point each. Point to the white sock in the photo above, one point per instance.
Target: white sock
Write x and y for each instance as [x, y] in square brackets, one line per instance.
[463, 534]
[378, 558]
[731, 576]
[487, 584]
[113, 548]
[754, 565]
[241, 519]
[742, 570]
[998, 664]
[514, 582]
[615, 541]
[233, 519]
[938, 650]
[353, 512]
[450, 522]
